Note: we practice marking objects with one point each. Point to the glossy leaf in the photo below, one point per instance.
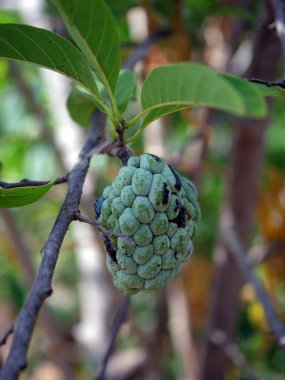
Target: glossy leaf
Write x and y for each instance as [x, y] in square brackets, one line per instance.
[93, 28]
[22, 196]
[175, 87]
[46, 49]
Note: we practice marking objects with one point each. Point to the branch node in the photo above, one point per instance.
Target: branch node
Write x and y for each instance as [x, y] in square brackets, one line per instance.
[48, 292]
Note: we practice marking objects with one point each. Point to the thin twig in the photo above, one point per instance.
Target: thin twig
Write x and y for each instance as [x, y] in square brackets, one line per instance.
[232, 351]
[81, 218]
[143, 48]
[9, 332]
[119, 319]
[27, 182]
[279, 83]
[239, 253]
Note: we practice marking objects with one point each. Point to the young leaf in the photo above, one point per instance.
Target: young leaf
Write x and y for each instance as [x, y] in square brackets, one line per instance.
[93, 28]
[46, 49]
[22, 196]
[125, 89]
[175, 87]
[80, 107]
[253, 99]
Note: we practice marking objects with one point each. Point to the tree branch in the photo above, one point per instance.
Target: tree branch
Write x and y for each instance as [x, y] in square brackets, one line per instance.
[237, 250]
[81, 218]
[231, 350]
[143, 48]
[42, 287]
[120, 318]
[27, 182]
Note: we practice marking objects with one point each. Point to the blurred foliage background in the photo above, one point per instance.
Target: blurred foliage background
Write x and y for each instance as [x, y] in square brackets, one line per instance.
[166, 332]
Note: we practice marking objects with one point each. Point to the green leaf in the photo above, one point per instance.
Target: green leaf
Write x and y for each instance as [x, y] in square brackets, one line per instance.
[81, 104]
[46, 49]
[264, 90]
[80, 107]
[125, 90]
[22, 196]
[175, 87]
[253, 99]
[93, 28]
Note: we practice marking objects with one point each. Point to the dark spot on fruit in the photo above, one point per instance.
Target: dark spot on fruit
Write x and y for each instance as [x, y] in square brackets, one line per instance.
[98, 206]
[155, 157]
[177, 179]
[180, 219]
[177, 204]
[110, 249]
[175, 255]
[165, 194]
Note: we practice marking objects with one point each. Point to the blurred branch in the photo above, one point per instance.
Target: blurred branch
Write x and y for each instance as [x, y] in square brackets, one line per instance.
[27, 182]
[143, 48]
[120, 318]
[279, 10]
[21, 252]
[41, 289]
[231, 350]
[237, 250]
[36, 107]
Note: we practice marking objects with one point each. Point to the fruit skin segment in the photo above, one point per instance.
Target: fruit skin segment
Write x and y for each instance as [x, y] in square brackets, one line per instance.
[158, 210]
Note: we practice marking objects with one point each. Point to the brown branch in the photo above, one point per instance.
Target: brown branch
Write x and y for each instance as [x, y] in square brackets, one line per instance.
[81, 218]
[42, 287]
[279, 83]
[232, 351]
[119, 320]
[240, 255]
[27, 182]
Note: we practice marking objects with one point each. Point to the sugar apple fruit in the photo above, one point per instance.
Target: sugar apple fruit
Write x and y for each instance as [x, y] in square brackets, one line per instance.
[158, 210]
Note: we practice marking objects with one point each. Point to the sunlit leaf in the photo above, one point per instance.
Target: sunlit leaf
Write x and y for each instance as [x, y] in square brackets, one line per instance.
[46, 49]
[93, 28]
[22, 196]
[175, 87]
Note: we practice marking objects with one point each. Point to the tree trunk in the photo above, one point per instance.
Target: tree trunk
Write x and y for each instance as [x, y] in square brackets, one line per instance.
[238, 210]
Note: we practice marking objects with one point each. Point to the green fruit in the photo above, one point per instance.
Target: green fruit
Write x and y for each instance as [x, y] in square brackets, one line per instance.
[158, 210]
